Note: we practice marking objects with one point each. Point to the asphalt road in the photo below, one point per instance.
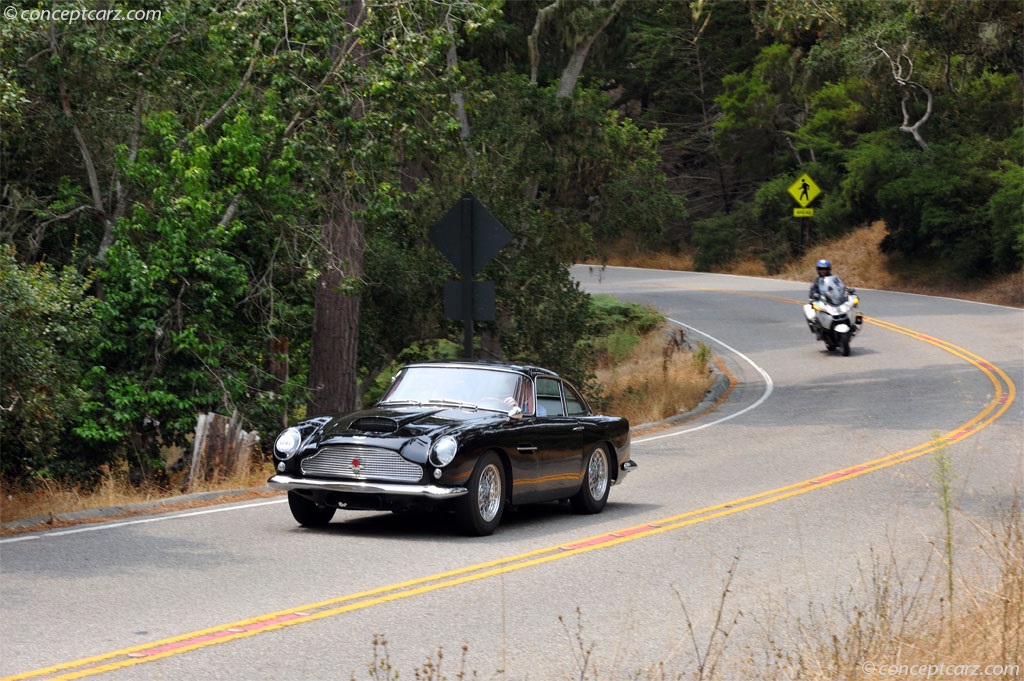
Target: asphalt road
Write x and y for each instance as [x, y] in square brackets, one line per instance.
[818, 472]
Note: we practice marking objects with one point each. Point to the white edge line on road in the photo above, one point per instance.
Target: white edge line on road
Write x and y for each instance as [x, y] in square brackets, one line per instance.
[769, 385]
[140, 521]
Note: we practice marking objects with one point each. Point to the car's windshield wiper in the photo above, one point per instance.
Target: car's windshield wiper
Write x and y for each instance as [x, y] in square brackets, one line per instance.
[456, 403]
[414, 403]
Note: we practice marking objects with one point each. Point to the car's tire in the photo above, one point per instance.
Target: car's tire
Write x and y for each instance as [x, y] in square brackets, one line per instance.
[593, 494]
[479, 511]
[307, 512]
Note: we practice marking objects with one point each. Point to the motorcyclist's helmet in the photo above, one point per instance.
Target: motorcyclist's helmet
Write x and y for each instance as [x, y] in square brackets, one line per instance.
[824, 267]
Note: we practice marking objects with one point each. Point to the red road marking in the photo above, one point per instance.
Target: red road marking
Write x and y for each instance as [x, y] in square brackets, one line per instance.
[837, 475]
[255, 626]
[605, 538]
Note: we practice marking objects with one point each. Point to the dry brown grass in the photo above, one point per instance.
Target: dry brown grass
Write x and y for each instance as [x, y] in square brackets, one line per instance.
[857, 259]
[660, 378]
[627, 256]
[902, 620]
[50, 498]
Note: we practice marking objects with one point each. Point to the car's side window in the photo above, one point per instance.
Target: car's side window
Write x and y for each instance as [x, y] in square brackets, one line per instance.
[575, 405]
[549, 397]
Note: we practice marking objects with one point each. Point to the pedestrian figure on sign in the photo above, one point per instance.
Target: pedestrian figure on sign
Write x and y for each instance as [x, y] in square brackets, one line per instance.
[804, 189]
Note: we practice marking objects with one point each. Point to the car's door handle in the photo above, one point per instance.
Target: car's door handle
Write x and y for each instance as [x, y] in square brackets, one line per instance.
[527, 449]
[577, 428]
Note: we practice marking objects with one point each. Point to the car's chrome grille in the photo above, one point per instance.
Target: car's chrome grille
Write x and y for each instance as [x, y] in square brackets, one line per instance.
[357, 462]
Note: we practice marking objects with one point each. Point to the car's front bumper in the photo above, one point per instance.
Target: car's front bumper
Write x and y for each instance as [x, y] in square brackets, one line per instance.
[287, 482]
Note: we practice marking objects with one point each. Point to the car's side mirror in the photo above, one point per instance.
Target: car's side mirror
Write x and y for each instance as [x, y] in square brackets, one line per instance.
[515, 412]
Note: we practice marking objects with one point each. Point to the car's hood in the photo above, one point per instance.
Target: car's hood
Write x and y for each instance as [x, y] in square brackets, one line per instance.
[404, 422]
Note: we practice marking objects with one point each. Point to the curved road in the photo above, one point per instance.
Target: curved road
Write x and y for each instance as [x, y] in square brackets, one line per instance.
[817, 471]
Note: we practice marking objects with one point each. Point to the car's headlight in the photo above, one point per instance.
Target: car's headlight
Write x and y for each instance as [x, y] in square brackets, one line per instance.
[287, 444]
[443, 451]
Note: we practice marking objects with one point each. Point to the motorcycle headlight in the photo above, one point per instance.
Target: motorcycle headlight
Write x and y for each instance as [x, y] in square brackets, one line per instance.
[287, 444]
[443, 451]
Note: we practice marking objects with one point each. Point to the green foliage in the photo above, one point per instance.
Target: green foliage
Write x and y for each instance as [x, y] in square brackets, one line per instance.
[756, 106]
[195, 166]
[610, 314]
[779, 230]
[702, 356]
[635, 202]
[876, 161]
[962, 55]
[544, 318]
[836, 119]
[717, 238]
[617, 326]
[941, 208]
[177, 276]
[1005, 212]
[46, 327]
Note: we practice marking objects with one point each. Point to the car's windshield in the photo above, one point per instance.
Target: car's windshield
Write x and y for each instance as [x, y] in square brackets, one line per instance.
[458, 386]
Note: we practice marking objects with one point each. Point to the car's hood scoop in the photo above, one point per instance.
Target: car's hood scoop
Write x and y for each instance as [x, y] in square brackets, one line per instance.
[375, 424]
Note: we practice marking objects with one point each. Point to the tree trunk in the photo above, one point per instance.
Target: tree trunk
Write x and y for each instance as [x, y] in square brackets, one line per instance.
[278, 367]
[333, 358]
[333, 363]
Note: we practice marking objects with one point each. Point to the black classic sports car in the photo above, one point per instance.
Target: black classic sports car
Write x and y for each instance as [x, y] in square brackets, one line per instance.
[470, 436]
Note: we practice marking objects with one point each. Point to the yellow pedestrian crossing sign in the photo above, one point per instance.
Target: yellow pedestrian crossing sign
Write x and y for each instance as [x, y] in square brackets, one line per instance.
[804, 191]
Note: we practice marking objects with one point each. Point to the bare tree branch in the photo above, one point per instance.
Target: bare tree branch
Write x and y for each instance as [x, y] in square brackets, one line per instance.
[70, 214]
[229, 214]
[572, 70]
[83, 148]
[459, 101]
[543, 16]
[904, 81]
[215, 116]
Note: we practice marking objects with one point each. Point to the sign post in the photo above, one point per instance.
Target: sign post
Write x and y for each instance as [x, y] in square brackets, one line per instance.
[469, 236]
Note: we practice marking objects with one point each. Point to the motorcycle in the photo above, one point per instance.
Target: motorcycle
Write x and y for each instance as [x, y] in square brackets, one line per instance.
[831, 317]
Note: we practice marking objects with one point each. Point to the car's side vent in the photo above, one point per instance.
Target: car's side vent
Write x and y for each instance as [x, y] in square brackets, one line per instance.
[375, 424]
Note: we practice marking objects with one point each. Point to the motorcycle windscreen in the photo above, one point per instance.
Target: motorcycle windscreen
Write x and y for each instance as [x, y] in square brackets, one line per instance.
[833, 290]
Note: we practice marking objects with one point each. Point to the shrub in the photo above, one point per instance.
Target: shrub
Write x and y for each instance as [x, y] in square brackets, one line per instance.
[46, 328]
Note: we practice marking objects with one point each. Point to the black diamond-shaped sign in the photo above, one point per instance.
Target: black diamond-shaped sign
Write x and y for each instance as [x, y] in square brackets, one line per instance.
[488, 235]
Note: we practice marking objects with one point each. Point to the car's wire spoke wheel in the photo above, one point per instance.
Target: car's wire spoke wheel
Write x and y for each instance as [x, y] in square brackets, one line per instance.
[489, 495]
[593, 494]
[597, 474]
[480, 510]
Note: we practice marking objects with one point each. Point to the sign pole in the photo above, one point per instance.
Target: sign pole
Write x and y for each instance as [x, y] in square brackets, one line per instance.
[467, 277]
[469, 236]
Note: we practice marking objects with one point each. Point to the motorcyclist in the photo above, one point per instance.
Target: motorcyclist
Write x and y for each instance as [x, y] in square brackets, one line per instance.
[824, 268]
